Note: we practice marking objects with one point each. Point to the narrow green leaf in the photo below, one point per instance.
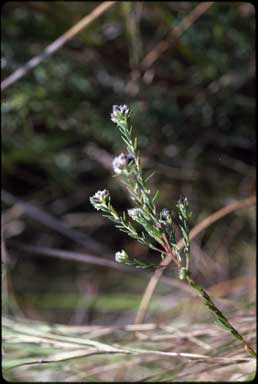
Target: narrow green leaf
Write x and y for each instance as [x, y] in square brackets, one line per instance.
[155, 196]
[150, 176]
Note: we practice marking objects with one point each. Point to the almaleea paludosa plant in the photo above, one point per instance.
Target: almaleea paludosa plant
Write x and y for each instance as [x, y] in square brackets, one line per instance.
[145, 224]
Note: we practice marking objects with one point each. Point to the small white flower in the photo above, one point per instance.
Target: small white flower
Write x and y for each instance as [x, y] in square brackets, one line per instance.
[182, 202]
[120, 163]
[183, 208]
[123, 163]
[121, 257]
[135, 213]
[101, 195]
[119, 112]
[99, 199]
[124, 109]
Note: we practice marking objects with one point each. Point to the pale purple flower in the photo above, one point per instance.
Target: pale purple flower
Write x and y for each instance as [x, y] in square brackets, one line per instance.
[164, 213]
[120, 163]
[164, 216]
[119, 112]
[99, 199]
[135, 213]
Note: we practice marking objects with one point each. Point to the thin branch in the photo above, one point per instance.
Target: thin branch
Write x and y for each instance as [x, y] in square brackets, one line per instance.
[57, 44]
[92, 259]
[175, 34]
[149, 291]
[56, 225]
[221, 213]
[74, 256]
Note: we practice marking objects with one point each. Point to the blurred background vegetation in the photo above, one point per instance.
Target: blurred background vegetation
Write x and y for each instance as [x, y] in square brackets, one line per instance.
[194, 115]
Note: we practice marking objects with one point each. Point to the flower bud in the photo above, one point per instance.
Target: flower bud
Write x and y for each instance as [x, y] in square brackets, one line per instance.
[121, 257]
[119, 163]
[183, 208]
[165, 216]
[99, 199]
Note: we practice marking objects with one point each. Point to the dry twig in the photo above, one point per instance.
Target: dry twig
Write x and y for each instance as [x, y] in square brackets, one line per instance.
[175, 34]
[57, 44]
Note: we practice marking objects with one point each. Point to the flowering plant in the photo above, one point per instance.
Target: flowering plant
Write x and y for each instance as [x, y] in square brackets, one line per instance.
[154, 229]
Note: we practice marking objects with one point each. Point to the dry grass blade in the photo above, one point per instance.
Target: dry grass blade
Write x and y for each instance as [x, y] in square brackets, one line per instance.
[28, 344]
[57, 44]
[50, 221]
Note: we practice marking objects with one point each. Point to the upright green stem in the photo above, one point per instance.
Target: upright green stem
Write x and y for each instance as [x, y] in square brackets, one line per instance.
[187, 260]
[221, 319]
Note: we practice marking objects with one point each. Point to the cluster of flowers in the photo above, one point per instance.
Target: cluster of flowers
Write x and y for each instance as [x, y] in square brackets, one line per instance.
[127, 165]
[123, 163]
[100, 199]
[159, 227]
[120, 113]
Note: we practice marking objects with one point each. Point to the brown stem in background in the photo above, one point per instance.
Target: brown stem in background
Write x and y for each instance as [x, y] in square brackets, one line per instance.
[175, 34]
[57, 44]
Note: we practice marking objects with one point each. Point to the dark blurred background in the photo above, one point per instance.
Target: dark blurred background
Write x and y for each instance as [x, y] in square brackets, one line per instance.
[194, 114]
